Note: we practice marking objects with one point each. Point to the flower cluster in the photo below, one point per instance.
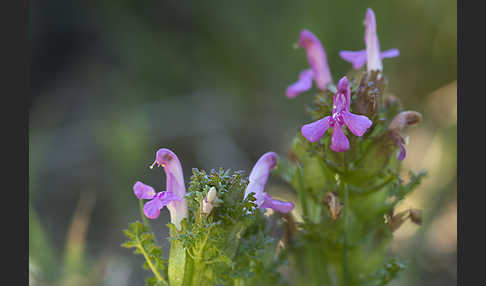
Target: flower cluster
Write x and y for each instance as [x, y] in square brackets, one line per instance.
[320, 72]
[220, 231]
[173, 197]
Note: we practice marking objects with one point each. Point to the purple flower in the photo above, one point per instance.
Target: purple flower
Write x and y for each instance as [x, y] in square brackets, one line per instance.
[372, 54]
[173, 197]
[357, 124]
[258, 178]
[157, 200]
[319, 70]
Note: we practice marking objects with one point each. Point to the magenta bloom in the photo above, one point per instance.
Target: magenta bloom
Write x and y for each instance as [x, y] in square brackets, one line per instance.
[157, 200]
[357, 124]
[173, 197]
[258, 178]
[372, 54]
[319, 70]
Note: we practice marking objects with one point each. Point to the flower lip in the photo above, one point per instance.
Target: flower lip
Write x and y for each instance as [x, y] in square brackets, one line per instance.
[143, 191]
[277, 205]
[303, 84]
[157, 200]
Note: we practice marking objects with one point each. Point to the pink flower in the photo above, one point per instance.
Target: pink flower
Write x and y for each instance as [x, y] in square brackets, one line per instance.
[173, 197]
[357, 124]
[258, 178]
[319, 70]
[372, 54]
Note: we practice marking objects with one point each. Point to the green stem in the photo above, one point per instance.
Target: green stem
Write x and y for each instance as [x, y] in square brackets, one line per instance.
[200, 264]
[180, 264]
[239, 282]
[144, 219]
[345, 239]
[149, 262]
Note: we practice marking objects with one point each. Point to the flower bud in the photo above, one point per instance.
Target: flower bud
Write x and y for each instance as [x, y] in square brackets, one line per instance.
[398, 123]
[208, 201]
[395, 221]
[333, 205]
[416, 216]
[369, 91]
[377, 157]
[404, 119]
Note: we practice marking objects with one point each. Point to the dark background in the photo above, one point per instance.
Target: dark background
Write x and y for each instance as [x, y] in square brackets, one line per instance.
[113, 81]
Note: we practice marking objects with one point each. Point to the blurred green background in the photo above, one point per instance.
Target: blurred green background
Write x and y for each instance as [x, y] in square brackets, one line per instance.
[113, 81]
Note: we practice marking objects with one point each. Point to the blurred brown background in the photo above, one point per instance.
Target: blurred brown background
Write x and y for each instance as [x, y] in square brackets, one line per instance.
[113, 81]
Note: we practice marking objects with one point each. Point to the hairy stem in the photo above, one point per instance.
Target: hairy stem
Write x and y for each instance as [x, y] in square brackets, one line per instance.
[149, 262]
[199, 263]
[142, 215]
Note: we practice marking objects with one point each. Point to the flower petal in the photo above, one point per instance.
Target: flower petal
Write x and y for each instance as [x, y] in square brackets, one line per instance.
[178, 211]
[315, 130]
[339, 141]
[262, 168]
[167, 197]
[401, 148]
[151, 209]
[358, 124]
[259, 176]
[175, 185]
[176, 203]
[257, 189]
[173, 170]
[316, 57]
[402, 152]
[342, 99]
[372, 44]
[143, 191]
[390, 53]
[277, 205]
[303, 84]
[357, 58]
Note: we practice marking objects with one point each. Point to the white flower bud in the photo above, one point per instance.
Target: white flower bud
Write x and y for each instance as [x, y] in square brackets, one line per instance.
[211, 197]
[208, 201]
